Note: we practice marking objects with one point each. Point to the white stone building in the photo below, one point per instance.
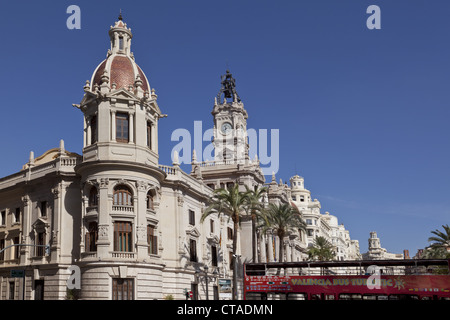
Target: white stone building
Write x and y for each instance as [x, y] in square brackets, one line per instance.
[376, 252]
[322, 225]
[130, 224]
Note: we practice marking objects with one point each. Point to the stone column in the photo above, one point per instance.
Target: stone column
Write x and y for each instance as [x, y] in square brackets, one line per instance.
[113, 125]
[140, 209]
[103, 242]
[131, 128]
[271, 244]
[26, 228]
[84, 132]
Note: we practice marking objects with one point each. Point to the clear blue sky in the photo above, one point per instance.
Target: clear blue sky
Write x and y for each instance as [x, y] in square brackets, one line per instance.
[363, 114]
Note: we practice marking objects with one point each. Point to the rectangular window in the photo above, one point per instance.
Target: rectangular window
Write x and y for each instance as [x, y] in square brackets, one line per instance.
[230, 233]
[17, 215]
[230, 256]
[152, 240]
[40, 240]
[11, 290]
[211, 226]
[16, 240]
[192, 217]
[120, 43]
[149, 135]
[193, 250]
[2, 246]
[43, 208]
[93, 129]
[92, 237]
[3, 218]
[122, 236]
[122, 127]
[122, 289]
[214, 256]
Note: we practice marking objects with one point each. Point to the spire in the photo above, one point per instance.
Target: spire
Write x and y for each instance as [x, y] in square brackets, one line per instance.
[120, 15]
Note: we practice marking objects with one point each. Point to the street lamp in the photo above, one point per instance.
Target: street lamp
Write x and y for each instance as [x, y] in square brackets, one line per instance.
[208, 278]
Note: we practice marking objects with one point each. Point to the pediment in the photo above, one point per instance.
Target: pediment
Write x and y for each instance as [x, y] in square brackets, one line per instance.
[87, 99]
[40, 224]
[212, 238]
[193, 232]
[122, 94]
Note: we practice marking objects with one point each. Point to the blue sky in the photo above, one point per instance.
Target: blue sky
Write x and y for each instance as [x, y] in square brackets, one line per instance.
[363, 114]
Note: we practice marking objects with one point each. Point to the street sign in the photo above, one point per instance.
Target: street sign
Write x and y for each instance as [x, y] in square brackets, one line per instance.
[17, 273]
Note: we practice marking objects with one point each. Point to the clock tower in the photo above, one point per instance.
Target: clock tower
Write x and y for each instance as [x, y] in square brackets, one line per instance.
[230, 124]
[231, 163]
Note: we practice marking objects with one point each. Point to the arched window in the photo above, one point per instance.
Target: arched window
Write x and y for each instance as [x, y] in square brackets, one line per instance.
[93, 197]
[122, 196]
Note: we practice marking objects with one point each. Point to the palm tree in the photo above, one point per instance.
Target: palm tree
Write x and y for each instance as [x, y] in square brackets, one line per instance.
[441, 239]
[232, 203]
[255, 206]
[321, 250]
[282, 219]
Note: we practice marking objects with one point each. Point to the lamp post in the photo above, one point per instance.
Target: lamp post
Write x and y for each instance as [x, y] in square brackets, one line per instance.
[207, 278]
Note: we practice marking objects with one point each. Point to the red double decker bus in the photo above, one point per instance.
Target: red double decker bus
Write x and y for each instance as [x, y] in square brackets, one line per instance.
[348, 280]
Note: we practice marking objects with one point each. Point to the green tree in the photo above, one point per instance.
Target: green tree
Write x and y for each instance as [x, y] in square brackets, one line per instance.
[232, 203]
[321, 250]
[440, 239]
[282, 219]
[255, 206]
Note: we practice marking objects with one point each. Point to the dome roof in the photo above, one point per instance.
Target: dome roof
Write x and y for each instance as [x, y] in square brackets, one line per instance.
[119, 66]
[122, 72]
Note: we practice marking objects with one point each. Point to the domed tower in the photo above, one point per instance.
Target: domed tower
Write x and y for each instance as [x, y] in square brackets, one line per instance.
[119, 173]
[120, 109]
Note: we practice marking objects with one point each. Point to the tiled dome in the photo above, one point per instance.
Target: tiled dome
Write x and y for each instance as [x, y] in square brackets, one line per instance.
[121, 70]
[120, 66]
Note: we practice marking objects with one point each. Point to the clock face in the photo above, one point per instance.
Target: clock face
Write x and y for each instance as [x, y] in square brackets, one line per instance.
[226, 127]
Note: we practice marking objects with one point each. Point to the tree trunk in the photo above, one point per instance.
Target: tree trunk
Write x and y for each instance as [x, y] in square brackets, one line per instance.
[281, 251]
[235, 260]
[253, 237]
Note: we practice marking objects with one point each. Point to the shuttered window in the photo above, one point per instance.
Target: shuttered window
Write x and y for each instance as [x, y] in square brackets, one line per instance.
[91, 237]
[122, 289]
[152, 240]
[122, 236]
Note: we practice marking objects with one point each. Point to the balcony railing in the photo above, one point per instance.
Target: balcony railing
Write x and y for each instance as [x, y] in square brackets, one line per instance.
[123, 208]
[123, 255]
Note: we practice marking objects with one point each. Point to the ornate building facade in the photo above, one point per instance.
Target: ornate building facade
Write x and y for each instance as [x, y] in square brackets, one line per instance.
[130, 224]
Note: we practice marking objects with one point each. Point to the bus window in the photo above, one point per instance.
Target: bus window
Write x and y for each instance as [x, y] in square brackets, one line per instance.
[350, 296]
[276, 296]
[315, 297]
[296, 296]
[256, 296]
[369, 297]
[329, 296]
[403, 297]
